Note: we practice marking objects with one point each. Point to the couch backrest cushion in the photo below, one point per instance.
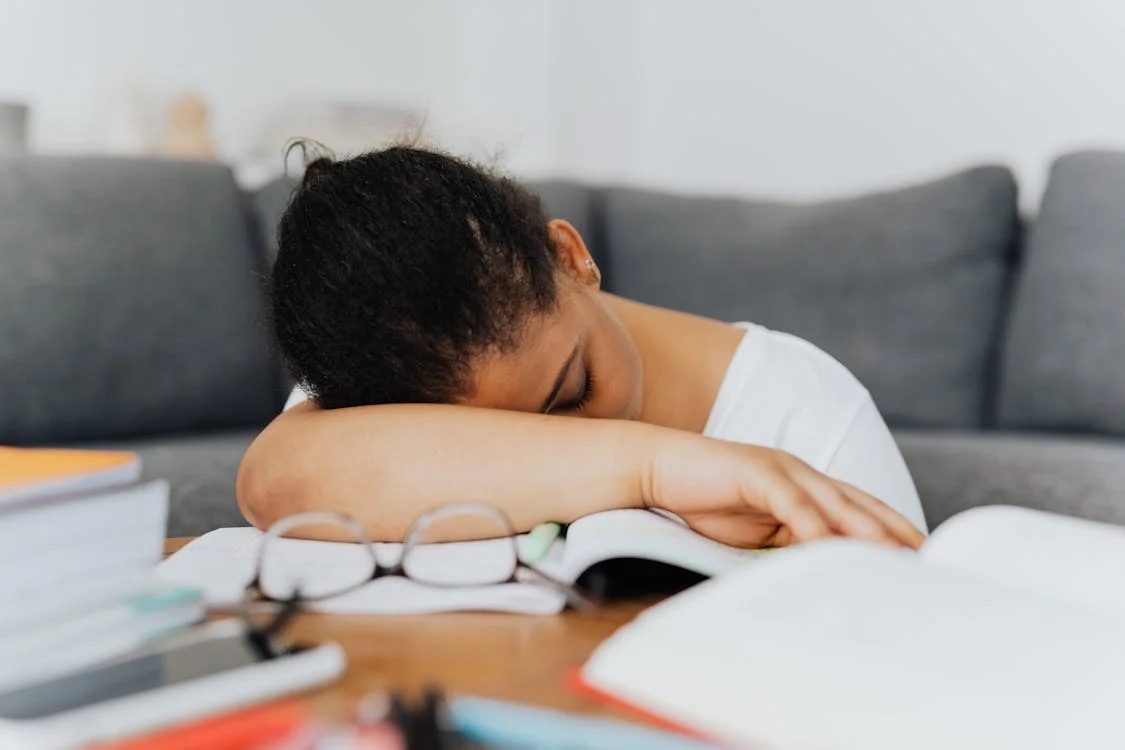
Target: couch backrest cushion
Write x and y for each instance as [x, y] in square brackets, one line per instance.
[904, 287]
[1063, 365]
[269, 203]
[130, 301]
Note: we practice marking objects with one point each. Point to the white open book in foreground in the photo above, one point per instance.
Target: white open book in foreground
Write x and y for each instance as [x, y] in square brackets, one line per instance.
[222, 562]
[1007, 631]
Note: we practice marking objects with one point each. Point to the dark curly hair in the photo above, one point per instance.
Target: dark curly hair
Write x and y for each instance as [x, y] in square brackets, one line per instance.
[396, 268]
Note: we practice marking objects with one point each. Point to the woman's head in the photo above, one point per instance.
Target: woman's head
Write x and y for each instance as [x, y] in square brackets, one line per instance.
[409, 276]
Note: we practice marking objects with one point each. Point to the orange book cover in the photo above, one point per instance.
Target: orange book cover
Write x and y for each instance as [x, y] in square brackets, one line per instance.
[32, 473]
[248, 728]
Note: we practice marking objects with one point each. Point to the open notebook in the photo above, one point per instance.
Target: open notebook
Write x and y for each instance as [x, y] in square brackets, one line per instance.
[222, 562]
[1005, 632]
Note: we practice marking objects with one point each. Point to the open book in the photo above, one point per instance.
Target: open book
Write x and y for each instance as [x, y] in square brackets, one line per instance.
[222, 562]
[1006, 631]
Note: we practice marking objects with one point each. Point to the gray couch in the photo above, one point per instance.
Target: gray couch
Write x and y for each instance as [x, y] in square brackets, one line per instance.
[131, 315]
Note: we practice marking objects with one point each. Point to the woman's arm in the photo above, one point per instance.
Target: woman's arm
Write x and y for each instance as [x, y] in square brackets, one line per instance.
[386, 465]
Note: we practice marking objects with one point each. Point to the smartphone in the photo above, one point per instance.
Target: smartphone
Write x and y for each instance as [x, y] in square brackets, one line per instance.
[211, 669]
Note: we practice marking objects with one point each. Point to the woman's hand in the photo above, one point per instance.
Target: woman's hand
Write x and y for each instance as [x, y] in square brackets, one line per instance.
[750, 496]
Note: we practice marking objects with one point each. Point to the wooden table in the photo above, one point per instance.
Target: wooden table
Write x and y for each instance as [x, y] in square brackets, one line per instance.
[513, 657]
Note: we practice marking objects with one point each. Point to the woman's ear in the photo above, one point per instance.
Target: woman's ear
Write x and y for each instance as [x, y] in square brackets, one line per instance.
[573, 256]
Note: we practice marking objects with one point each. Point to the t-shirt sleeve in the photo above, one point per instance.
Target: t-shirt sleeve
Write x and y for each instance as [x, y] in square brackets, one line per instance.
[868, 458]
[298, 396]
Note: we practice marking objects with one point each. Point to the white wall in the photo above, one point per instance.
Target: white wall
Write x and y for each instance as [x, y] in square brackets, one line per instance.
[788, 98]
[246, 57]
[812, 98]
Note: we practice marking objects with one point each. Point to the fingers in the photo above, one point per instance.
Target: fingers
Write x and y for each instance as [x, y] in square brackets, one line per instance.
[788, 502]
[848, 511]
[896, 522]
[847, 517]
[742, 529]
[795, 508]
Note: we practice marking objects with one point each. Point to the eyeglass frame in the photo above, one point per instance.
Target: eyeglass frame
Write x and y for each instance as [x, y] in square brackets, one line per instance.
[262, 638]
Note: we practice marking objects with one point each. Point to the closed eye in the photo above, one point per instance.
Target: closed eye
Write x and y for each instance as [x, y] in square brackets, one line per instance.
[579, 404]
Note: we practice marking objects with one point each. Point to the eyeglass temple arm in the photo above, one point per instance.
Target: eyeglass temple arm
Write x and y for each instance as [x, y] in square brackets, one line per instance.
[573, 596]
[261, 639]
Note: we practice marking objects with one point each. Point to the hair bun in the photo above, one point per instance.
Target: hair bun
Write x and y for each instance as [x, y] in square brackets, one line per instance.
[318, 166]
[316, 158]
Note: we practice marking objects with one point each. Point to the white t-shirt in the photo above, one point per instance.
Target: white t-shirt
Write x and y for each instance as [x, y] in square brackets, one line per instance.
[782, 392]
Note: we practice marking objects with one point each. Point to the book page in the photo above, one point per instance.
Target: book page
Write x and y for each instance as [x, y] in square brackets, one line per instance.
[647, 535]
[222, 562]
[55, 529]
[1073, 560]
[846, 645]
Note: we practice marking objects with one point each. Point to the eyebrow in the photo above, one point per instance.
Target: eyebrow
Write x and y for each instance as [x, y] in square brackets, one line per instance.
[554, 394]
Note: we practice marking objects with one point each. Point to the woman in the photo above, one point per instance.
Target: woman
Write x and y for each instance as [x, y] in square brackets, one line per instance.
[448, 336]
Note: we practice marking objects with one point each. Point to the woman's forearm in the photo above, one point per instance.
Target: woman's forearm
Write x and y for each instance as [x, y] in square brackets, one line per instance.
[386, 465]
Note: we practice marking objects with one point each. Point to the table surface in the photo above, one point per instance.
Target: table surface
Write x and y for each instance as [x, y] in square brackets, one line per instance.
[523, 658]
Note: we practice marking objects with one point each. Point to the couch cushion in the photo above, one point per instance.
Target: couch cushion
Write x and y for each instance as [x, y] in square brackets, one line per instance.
[130, 301]
[904, 287]
[1074, 476]
[1062, 364]
[201, 470]
[269, 202]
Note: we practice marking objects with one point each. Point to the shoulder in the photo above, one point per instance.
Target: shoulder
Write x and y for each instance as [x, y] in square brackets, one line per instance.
[790, 356]
[784, 392]
[792, 365]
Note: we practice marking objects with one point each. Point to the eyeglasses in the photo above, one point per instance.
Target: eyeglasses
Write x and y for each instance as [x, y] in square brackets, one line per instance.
[425, 557]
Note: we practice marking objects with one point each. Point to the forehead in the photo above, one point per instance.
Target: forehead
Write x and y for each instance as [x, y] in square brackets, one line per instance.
[522, 378]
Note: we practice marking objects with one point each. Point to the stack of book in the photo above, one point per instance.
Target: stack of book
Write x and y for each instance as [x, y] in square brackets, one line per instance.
[80, 536]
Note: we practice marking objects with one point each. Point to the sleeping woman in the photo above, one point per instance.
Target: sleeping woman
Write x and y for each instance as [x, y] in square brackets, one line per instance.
[452, 344]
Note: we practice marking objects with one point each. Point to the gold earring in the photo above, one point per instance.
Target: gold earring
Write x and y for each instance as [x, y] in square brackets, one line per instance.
[594, 277]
